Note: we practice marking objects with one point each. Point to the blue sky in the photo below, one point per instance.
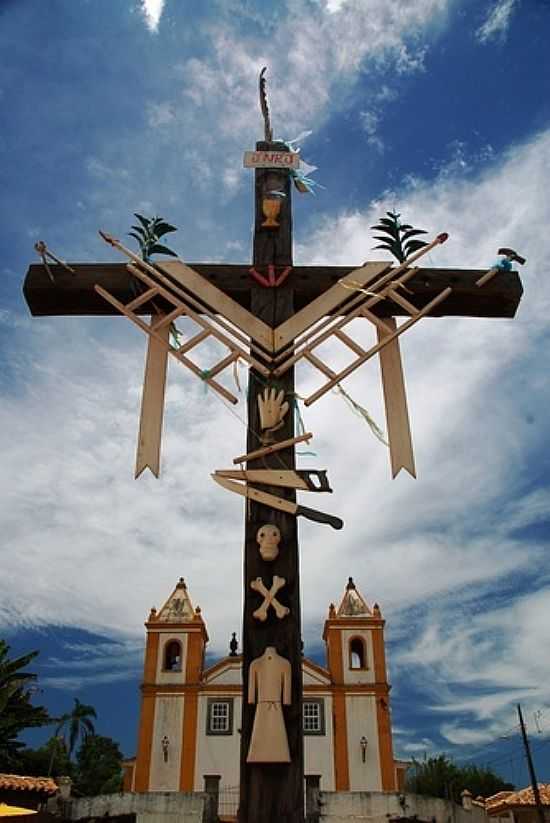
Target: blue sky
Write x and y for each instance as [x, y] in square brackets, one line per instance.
[437, 108]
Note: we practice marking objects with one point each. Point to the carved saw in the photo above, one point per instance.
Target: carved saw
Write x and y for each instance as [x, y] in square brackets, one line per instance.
[277, 502]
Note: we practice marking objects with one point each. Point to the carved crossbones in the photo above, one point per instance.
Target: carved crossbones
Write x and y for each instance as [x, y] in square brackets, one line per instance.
[269, 598]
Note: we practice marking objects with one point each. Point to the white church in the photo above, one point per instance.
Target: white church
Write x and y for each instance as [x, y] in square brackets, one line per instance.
[190, 715]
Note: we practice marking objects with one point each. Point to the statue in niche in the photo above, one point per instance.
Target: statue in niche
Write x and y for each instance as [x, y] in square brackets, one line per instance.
[269, 686]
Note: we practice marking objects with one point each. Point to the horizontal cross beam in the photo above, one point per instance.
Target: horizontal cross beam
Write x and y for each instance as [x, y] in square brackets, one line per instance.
[75, 295]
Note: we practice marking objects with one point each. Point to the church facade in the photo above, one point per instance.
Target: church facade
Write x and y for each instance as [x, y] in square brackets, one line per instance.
[190, 714]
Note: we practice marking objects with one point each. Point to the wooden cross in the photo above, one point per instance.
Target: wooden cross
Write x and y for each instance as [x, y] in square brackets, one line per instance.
[280, 334]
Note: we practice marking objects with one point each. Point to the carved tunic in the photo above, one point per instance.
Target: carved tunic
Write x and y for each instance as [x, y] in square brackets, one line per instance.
[269, 685]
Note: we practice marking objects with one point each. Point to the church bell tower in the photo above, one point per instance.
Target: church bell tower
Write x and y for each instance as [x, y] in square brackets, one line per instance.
[174, 662]
[356, 660]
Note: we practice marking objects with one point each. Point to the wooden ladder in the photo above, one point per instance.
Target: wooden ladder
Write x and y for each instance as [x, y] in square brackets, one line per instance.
[213, 327]
[359, 307]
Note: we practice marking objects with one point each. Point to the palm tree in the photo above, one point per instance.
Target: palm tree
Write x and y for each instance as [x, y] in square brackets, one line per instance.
[16, 710]
[77, 723]
[11, 678]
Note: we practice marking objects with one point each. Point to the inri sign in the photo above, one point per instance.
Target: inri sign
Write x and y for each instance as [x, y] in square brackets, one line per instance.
[271, 160]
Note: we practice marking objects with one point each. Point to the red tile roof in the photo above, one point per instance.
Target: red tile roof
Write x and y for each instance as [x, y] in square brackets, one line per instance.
[524, 797]
[16, 782]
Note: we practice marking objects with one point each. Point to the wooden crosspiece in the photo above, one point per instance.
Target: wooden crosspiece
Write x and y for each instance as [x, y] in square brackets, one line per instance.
[183, 306]
[324, 307]
[304, 332]
[272, 328]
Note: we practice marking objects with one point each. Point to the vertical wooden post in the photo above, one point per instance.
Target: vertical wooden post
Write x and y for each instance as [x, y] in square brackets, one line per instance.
[272, 793]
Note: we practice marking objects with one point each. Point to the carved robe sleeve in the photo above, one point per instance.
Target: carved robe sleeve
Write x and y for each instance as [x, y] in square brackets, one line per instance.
[287, 685]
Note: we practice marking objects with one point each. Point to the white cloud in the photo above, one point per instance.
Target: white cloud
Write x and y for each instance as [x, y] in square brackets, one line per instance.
[160, 114]
[423, 746]
[370, 122]
[477, 404]
[85, 544]
[86, 663]
[152, 12]
[476, 666]
[341, 40]
[98, 168]
[232, 180]
[497, 22]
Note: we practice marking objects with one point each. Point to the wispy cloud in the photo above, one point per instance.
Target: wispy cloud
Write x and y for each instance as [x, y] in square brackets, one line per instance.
[160, 114]
[370, 122]
[466, 650]
[497, 22]
[152, 12]
[74, 420]
[84, 664]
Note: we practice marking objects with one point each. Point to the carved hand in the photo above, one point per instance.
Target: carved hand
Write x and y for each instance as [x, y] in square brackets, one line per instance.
[272, 409]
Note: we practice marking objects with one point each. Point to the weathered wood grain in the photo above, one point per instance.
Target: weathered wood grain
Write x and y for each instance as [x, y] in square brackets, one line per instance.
[75, 295]
[272, 793]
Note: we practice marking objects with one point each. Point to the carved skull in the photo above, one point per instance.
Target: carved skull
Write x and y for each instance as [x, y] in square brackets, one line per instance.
[269, 538]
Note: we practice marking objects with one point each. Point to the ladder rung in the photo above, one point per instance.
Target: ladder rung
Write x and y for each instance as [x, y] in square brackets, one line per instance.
[403, 302]
[203, 376]
[168, 318]
[349, 342]
[222, 364]
[194, 341]
[141, 299]
[147, 329]
[319, 364]
[394, 333]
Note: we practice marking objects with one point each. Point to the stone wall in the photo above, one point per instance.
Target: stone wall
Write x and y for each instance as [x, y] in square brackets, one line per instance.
[153, 807]
[382, 807]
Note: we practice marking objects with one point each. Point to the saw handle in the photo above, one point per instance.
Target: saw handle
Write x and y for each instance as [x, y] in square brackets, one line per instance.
[318, 485]
[319, 517]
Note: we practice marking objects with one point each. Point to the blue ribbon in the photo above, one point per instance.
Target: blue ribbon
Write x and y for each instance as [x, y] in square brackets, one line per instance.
[299, 178]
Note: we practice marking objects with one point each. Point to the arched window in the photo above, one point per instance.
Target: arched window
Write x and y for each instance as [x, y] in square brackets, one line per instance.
[172, 656]
[357, 654]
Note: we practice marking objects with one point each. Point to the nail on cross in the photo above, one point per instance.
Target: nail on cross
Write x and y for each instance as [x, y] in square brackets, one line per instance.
[269, 598]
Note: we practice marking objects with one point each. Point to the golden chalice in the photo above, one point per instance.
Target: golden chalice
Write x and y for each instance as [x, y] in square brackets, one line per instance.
[271, 207]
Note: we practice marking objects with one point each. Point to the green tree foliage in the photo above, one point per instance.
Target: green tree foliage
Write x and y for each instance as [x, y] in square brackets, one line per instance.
[148, 234]
[16, 710]
[442, 777]
[76, 724]
[98, 766]
[51, 760]
[398, 237]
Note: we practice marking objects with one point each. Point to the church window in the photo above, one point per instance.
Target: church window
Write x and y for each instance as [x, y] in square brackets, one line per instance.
[357, 654]
[172, 656]
[314, 716]
[219, 716]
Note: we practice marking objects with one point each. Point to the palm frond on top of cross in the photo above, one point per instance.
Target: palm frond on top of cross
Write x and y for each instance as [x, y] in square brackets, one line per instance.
[149, 232]
[398, 237]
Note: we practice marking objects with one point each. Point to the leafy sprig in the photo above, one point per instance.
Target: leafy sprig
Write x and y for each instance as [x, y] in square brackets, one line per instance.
[149, 232]
[398, 237]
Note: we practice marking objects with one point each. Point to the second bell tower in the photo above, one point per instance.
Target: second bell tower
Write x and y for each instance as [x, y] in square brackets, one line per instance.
[174, 662]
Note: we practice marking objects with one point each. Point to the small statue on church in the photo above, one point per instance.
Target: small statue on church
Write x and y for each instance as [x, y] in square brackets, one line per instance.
[233, 645]
[269, 686]
[165, 743]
